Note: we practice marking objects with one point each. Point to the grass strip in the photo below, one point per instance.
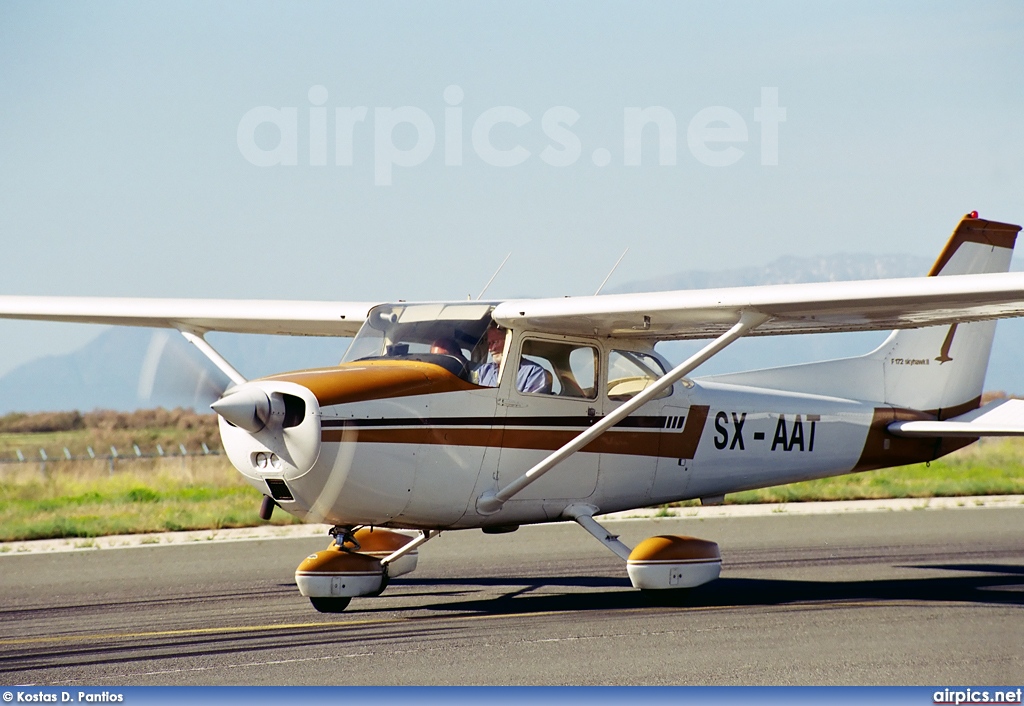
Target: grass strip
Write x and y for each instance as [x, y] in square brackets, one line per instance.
[86, 499]
[990, 467]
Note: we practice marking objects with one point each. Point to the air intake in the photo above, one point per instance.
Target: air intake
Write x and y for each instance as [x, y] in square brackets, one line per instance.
[279, 489]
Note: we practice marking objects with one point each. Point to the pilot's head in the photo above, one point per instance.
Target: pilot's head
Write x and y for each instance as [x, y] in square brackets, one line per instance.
[496, 342]
[446, 346]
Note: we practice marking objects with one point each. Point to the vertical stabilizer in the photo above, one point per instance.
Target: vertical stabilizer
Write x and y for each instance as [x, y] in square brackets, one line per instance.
[941, 369]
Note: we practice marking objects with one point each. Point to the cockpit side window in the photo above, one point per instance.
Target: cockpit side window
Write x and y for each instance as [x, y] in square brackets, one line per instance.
[630, 372]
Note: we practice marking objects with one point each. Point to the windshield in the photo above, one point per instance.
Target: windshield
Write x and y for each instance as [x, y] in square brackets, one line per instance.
[446, 334]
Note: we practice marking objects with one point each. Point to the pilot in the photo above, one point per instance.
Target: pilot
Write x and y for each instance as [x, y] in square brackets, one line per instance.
[530, 378]
[447, 346]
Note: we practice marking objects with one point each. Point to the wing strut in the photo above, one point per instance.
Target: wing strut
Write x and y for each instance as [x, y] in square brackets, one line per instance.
[425, 536]
[584, 517]
[216, 358]
[490, 502]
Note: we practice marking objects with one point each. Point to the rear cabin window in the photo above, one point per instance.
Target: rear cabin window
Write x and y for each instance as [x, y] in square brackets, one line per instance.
[559, 369]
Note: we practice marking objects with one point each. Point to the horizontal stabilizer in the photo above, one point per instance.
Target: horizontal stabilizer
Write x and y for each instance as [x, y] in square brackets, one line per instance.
[1002, 418]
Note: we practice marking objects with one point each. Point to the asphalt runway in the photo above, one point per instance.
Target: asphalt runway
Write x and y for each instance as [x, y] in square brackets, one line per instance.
[912, 597]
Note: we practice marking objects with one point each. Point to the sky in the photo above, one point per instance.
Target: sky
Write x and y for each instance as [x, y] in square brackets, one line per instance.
[357, 151]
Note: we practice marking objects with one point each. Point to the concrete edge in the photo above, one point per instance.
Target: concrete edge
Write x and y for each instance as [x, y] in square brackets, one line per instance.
[270, 532]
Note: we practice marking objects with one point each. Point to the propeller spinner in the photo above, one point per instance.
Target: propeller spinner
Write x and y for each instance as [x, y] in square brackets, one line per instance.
[247, 408]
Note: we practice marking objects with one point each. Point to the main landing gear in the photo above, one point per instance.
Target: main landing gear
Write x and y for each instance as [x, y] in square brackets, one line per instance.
[359, 562]
[657, 563]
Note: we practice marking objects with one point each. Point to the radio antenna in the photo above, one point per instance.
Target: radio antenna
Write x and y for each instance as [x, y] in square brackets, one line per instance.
[610, 273]
[494, 275]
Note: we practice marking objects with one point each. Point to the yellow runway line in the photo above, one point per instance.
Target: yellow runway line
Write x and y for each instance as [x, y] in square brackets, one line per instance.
[253, 628]
[385, 621]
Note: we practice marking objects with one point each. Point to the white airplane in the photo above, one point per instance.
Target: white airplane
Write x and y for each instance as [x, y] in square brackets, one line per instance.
[491, 415]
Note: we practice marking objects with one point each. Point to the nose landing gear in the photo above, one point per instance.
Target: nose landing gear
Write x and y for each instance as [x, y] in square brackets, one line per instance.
[359, 562]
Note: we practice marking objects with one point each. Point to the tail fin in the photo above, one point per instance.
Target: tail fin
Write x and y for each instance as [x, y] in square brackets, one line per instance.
[939, 369]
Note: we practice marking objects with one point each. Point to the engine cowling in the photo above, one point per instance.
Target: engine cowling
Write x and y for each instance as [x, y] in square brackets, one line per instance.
[271, 432]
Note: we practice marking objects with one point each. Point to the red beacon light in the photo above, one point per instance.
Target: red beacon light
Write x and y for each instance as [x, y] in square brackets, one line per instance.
[972, 214]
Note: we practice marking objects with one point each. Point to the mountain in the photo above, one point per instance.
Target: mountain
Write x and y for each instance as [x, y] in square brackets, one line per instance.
[132, 368]
[126, 369]
[789, 269]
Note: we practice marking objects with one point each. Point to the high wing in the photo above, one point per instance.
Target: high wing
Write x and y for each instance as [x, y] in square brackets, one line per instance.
[294, 318]
[826, 307]
[687, 314]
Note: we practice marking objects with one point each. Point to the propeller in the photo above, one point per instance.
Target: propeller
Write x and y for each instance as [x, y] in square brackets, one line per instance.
[174, 373]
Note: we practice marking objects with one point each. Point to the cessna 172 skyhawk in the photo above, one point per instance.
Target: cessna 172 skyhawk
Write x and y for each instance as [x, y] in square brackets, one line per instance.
[458, 415]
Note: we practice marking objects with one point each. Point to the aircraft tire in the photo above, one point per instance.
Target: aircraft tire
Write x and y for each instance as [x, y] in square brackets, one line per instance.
[668, 598]
[330, 604]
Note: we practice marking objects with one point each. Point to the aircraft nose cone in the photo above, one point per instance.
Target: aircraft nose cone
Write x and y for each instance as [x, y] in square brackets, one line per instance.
[248, 408]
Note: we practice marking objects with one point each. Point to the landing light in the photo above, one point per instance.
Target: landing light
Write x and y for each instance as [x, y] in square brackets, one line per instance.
[263, 460]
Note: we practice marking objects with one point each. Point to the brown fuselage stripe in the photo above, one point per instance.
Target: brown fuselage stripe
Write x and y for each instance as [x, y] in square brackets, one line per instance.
[685, 445]
[672, 443]
[644, 436]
